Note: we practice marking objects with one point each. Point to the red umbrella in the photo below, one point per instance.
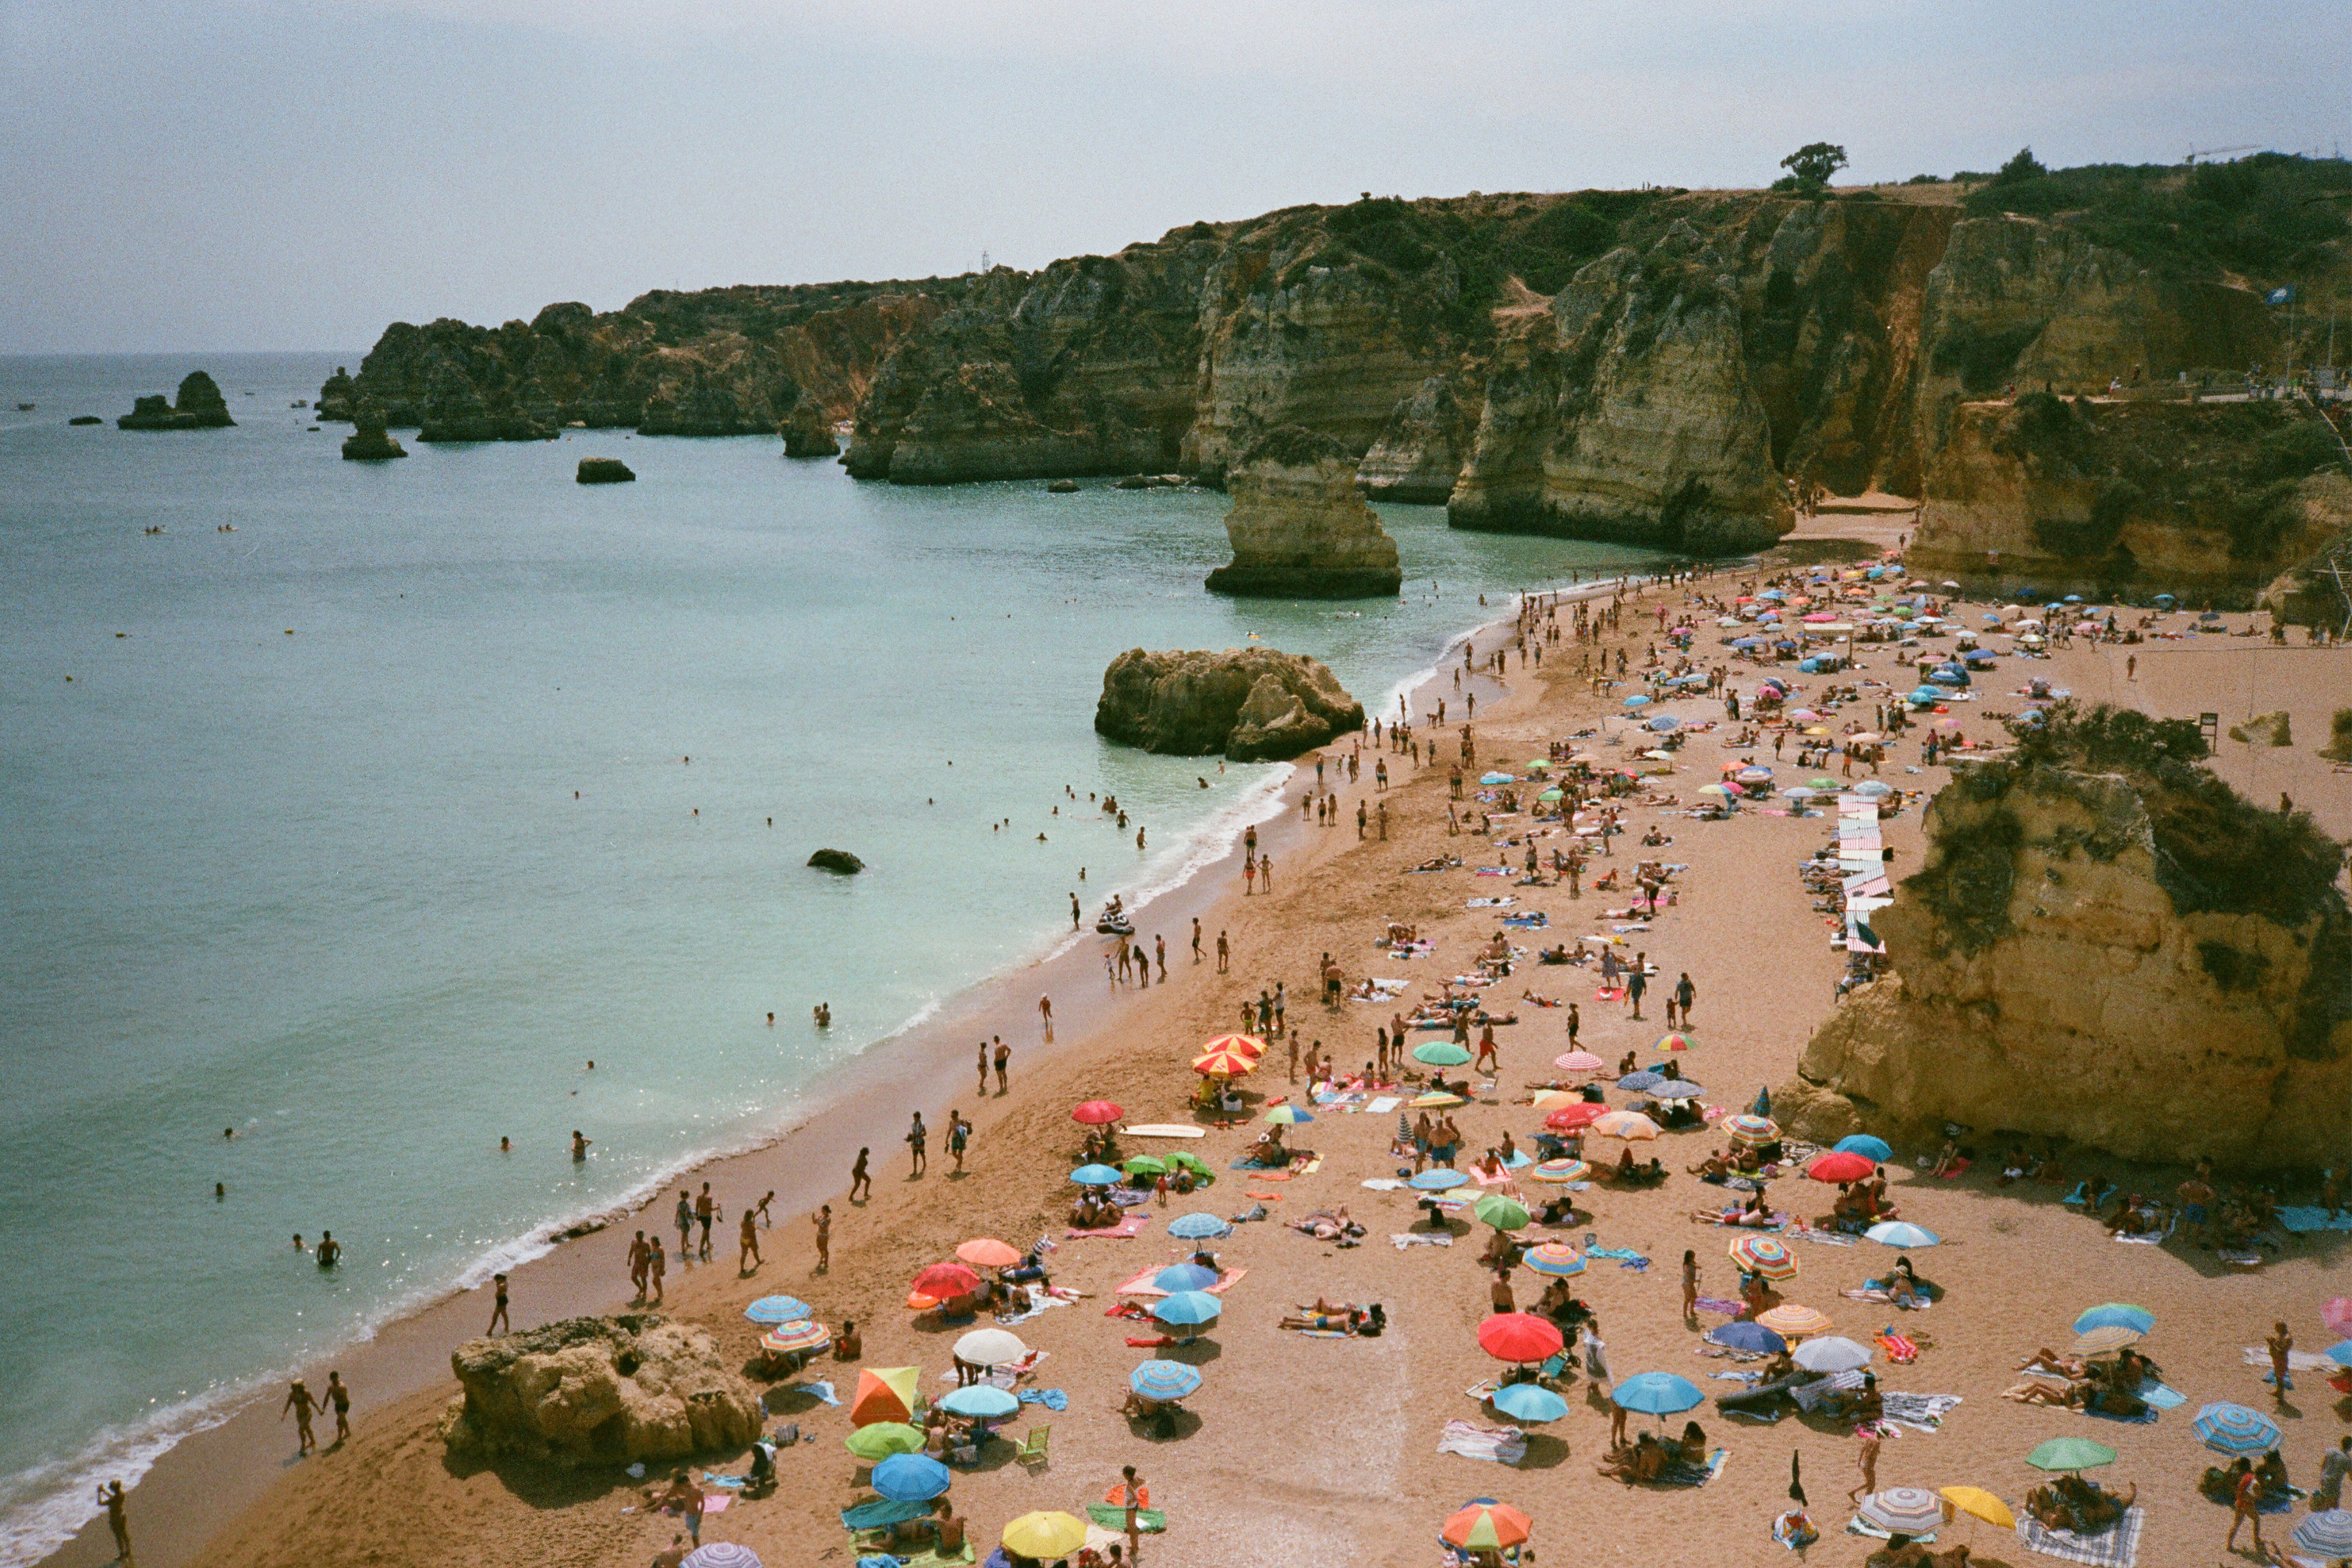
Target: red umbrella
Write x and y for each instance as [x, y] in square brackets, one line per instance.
[941, 1281]
[1519, 1337]
[1097, 1114]
[1840, 1167]
[1568, 1118]
[2338, 1314]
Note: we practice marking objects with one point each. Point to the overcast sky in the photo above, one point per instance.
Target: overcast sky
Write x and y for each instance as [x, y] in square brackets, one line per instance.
[223, 174]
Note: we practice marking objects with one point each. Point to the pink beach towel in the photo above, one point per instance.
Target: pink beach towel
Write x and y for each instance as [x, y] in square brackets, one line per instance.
[1125, 1230]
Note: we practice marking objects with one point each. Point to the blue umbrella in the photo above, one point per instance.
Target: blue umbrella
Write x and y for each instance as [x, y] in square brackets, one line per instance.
[1751, 1337]
[1642, 1082]
[2117, 1315]
[1163, 1380]
[1439, 1180]
[1902, 1233]
[1497, 779]
[2341, 1352]
[1637, 702]
[1528, 1402]
[1095, 1176]
[1772, 593]
[1184, 1277]
[1187, 1308]
[1198, 1227]
[2235, 1429]
[1748, 642]
[913, 1478]
[1869, 1148]
[1923, 695]
[779, 1309]
[1664, 722]
[980, 1400]
[2327, 1532]
[1656, 1394]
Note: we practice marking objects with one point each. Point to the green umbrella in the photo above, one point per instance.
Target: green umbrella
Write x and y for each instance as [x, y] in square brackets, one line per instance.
[1190, 1162]
[1821, 783]
[1550, 794]
[1441, 1054]
[877, 1443]
[1502, 1213]
[2070, 1454]
[1146, 1165]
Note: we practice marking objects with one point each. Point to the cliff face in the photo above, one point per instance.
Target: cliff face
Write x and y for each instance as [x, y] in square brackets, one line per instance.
[2092, 956]
[1297, 526]
[1420, 452]
[2207, 501]
[720, 362]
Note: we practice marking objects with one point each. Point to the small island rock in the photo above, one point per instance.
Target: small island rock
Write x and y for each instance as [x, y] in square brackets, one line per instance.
[808, 433]
[1254, 704]
[605, 471]
[199, 406]
[370, 442]
[840, 861]
[85, 419]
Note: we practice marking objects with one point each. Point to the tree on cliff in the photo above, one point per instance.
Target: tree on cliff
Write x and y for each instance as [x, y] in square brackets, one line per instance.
[1810, 167]
[2018, 170]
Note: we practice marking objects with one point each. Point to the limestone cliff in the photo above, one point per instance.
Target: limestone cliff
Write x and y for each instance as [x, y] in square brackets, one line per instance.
[199, 406]
[598, 1390]
[2105, 945]
[1298, 529]
[808, 433]
[1420, 452]
[1251, 704]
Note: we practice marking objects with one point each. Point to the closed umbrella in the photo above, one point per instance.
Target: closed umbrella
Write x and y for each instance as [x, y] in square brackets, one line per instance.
[879, 1442]
[1913, 1510]
[2070, 1454]
[1045, 1536]
[1164, 1380]
[1902, 1233]
[1528, 1402]
[1198, 1227]
[1502, 1213]
[987, 1252]
[1487, 1527]
[989, 1347]
[1873, 1149]
[1764, 1254]
[980, 1400]
[912, 1478]
[779, 1309]
[1519, 1337]
[2235, 1429]
[1554, 1259]
[1656, 1393]
[1831, 1353]
[1441, 1054]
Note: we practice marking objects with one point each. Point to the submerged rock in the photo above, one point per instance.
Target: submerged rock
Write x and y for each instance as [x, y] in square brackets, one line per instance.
[1299, 530]
[598, 1390]
[605, 471]
[840, 861]
[370, 442]
[1063, 488]
[199, 406]
[1250, 704]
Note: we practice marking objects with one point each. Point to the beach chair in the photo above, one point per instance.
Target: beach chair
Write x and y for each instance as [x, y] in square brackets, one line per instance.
[1033, 1447]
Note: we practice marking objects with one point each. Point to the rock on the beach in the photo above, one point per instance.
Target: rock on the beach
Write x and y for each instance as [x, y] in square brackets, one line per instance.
[1250, 704]
[598, 1390]
[604, 471]
[199, 406]
[1299, 530]
[370, 442]
[837, 860]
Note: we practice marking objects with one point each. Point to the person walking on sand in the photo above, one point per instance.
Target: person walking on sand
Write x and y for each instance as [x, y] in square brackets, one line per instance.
[1196, 939]
[823, 1221]
[917, 1137]
[640, 1260]
[299, 1400]
[2281, 1345]
[1225, 952]
[1575, 1019]
[1045, 1013]
[498, 1307]
[1636, 983]
[118, 1521]
[2246, 1504]
[705, 1210]
[1867, 1458]
[1690, 1286]
[859, 1177]
[682, 1220]
[983, 1090]
[959, 1137]
[338, 1395]
[1684, 994]
[657, 1266]
[747, 1245]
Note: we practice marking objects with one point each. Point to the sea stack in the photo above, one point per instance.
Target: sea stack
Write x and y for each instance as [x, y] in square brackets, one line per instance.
[1252, 704]
[605, 471]
[1298, 528]
[370, 442]
[199, 406]
[808, 433]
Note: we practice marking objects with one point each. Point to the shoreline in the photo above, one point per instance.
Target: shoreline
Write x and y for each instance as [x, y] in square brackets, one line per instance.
[207, 1476]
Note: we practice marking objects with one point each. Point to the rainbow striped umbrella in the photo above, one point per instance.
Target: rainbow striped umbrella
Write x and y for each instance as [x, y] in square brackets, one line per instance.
[1764, 1254]
[796, 1338]
[1751, 1130]
[1791, 1322]
[1487, 1527]
[1286, 1116]
[1555, 1259]
[1560, 1172]
[1671, 1042]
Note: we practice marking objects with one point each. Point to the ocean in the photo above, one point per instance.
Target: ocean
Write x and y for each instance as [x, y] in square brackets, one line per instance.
[359, 830]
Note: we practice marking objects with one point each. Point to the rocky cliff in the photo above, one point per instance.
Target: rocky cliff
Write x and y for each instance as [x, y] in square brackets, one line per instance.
[2207, 501]
[1419, 451]
[598, 1390]
[199, 406]
[1250, 704]
[2104, 945]
[1298, 529]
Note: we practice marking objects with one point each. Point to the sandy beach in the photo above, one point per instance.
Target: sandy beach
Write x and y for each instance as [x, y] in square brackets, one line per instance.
[1310, 1449]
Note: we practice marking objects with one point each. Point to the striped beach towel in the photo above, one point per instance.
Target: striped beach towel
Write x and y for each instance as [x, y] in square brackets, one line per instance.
[2118, 1547]
[1504, 1445]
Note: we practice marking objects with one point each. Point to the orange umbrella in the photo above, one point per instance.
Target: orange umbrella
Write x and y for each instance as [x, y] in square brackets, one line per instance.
[1790, 1321]
[884, 1393]
[1224, 1063]
[987, 1252]
[1488, 1527]
[1249, 1045]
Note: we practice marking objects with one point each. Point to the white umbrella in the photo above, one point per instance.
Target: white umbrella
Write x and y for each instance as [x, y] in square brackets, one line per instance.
[1831, 1353]
[989, 1347]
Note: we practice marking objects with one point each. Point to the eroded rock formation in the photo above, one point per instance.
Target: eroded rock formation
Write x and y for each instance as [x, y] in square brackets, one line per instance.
[1250, 704]
[369, 441]
[199, 406]
[2134, 960]
[1299, 530]
[808, 433]
[604, 471]
[598, 1390]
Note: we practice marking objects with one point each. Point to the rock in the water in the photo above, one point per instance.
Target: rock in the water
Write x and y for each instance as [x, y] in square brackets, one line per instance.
[370, 442]
[85, 419]
[199, 406]
[1299, 530]
[837, 860]
[1063, 488]
[1251, 704]
[808, 432]
[599, 1391]
[605, 471]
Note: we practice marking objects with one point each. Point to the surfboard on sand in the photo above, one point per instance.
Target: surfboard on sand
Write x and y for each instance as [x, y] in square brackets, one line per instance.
[1163, 1131]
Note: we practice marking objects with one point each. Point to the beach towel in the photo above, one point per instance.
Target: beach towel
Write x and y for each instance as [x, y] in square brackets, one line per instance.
[1125, 1230]
[1504, 1445]
[2155, 1238]
[1920, 1412]
[2118, 1547]
[816, 1390]
[1152, 1343]
[1800, 1231]
[1420, 1239]
[882, 1514]
[1959, 1169]
[1383, 1105]
[2300, 1219]
[1899, 1351]
[1794, 1530]
[1718, 1304]
[2296, 1361]
[1695, 1475]
[1111, 1516]
[2147, 1417]
[1628, 1258]
[2162, 1397]
[1808, 1394]
[1858, 1525]
[1051, 1399]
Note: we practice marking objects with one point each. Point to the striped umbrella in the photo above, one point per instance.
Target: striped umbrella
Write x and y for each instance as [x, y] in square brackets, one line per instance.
[1671, 1042]
[1248, 1046]
[796, 1338]
[2327, 1532]
[2115, 1315]
[1791, 1322]
[1163, 1380]
[1286, 1116]
[1555, 1259]
[1914, 1511]
[779, 1309]
[2235, 1429]
[2106, 1340]
[2338, 1314]
[721, 1554]
[1560, 1172]
[1223, 1062]
[1764, 1254]
[1487, 1527]
[1578, 1061]
[1750, 1131]
[1630, 1125]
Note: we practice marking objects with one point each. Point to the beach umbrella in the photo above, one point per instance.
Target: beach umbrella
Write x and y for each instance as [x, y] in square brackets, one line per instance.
[987, 1252]
[886, 1395]
[721, 1554]
[1188, 1308]
[1045, 1536]
[1553, 1259]
[2341, 1354]
[1578, 1061]
[1097, 1114]
[1519, 1337]
[1528, 1402]
[1502, 1213]
[1753, 1338]
[1198, 1227]
[1656, 1393]
[1637, 702]
[2327, 1532]
[1553, 1099]
[1560, 1172]
[1184, 1277]
[1913, 1510]
[1840, 1168]
[1799, 794]
[1487, 1526]
[1750, 1131]
[1568, 1118]
[2070, 1454]
[1641, 1082]
[2234, 1429]
[912, 1478]
[989, 1347]
[1441, 1054]
[1664, 722]
[1096, 1175]
[1438, 1179]
[796, 1338]
[1538, 765]
[1982, 1503]
[1286, 1116]
[2106, 1340]
[1163, 1380]
[1873, 789]
[1248, 1046]
[1831, 1353]
[1141, 1165]
[1863, 1144]
[1671, 1088]
[1754, 775]
[1902, 1233]
[1552, 794]
[1790, 1321]
[1630, 1125]
[1435, 1101]
[1768, 1256]
[1671, 1041]
[981, 1401]
[2114, 1315]
[2338, 1314]
[1184, 1161]
[879, 1442]
[779, 1309]
[1497, 779]
[1224, 1063]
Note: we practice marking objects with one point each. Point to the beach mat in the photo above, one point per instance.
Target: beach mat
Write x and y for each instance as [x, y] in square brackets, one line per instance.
[2115, 1548]
[1695, 1476]
[1125, 1230]
[1504, 1445]
[1111, 1516]
[881, 1514]
[1920, 1412]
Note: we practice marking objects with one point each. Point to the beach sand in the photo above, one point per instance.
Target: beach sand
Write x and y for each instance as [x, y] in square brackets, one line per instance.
[1302, 1449]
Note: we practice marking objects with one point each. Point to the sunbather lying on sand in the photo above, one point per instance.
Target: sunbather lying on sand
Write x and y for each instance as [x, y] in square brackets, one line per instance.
[1325, 1226]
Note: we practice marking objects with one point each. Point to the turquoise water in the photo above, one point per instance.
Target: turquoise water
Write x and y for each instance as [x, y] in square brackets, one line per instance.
[333, 889]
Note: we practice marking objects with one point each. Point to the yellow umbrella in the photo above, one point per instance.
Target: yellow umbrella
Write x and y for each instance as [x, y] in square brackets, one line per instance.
[1626, 1124]
[1553, 1099]
[1983, 1503]
[1224, 1063]
[1045, 1536]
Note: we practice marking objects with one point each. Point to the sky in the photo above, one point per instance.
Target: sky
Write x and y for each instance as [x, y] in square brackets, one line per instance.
[250, 175]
